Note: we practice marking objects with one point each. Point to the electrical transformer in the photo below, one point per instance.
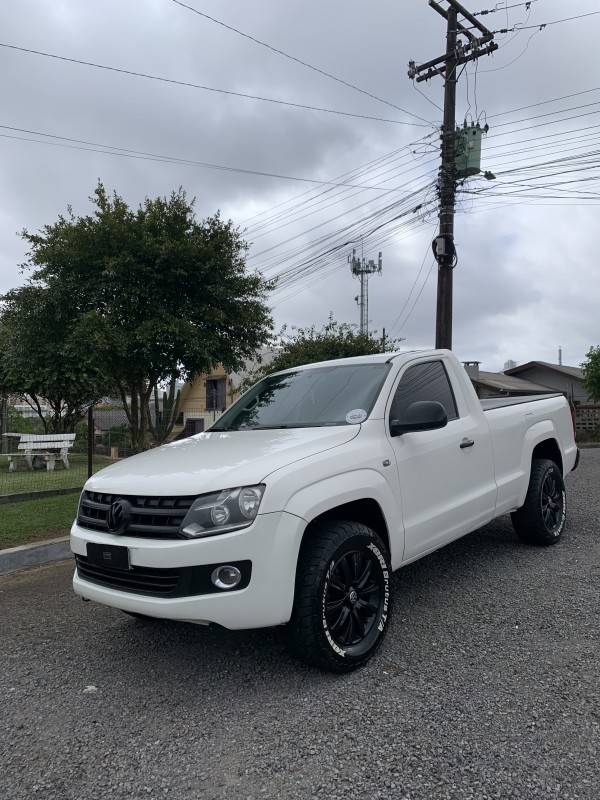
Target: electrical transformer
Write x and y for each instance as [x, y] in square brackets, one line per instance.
[468, 151]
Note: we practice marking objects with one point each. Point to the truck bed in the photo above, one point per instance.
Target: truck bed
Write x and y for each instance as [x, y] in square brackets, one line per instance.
[502, 402]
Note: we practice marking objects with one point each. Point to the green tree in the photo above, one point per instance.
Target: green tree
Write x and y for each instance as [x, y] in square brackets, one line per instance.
[154, 294]
[42, 359]
[591, 373]
[17, 423]
[309, 345]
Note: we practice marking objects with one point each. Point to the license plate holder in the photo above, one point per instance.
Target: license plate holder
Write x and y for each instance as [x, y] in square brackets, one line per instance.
[113, 556]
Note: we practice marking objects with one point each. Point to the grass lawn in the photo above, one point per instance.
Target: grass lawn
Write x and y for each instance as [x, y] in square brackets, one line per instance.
[35, 520]
[25, 480]
[29, 521]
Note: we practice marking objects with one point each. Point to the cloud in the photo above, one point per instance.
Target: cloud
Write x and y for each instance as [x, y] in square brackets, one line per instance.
[527, 279]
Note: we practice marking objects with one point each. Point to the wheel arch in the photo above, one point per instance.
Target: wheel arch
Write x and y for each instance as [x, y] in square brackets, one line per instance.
[549, 449]
[366, 511]
[362, 496]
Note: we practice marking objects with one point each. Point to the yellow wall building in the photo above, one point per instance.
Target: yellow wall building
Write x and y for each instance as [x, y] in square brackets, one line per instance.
[203, 400]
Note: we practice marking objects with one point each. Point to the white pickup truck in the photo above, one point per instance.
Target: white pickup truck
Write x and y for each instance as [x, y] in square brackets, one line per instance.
[296, 506]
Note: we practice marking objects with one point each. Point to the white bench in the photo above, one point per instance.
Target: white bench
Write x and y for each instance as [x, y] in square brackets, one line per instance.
[51, 446]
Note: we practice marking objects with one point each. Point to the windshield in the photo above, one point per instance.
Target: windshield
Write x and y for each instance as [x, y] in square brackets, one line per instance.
[333, 395]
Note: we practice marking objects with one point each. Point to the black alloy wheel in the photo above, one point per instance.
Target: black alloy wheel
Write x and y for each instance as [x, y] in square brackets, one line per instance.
[542, 517]
[552, 502]
[353, 597]
[343, 596]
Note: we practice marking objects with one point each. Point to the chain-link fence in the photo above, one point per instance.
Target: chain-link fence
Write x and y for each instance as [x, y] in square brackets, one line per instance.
[34, 463]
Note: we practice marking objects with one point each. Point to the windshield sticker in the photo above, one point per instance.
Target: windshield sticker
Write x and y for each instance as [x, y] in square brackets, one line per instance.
[356, 416]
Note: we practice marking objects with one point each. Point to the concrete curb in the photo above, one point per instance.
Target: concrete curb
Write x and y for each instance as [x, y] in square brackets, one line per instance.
[14, 559]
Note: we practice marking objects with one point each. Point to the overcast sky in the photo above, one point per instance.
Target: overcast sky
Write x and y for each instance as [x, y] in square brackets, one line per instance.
[527, 280]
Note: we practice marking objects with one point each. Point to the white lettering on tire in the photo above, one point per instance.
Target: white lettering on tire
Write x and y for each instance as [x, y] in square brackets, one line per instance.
[340, 651]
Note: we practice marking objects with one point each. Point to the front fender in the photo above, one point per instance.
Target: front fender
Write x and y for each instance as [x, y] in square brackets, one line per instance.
[320, 496]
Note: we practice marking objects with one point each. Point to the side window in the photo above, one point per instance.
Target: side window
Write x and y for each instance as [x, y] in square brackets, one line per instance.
[427, 381]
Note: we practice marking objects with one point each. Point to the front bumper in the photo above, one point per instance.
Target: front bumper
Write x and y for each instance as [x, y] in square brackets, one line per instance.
[271, 544]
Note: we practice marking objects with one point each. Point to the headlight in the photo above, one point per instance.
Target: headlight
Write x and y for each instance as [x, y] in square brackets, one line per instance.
[221, 512]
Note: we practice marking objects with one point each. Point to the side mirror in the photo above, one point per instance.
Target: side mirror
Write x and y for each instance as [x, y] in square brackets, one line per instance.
[423, 415]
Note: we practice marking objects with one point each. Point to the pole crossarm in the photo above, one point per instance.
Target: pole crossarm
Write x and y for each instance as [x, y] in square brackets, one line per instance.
[461, 60]
[460, 28]
[461, 10]
[460, 54]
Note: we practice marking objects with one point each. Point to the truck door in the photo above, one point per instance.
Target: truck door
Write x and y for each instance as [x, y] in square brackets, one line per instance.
[446, 476]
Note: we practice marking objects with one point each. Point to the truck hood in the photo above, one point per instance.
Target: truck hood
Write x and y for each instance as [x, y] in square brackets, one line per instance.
[216, 460]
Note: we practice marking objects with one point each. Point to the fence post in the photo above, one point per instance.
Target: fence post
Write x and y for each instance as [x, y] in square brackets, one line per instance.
[4, 426]
[90, 440]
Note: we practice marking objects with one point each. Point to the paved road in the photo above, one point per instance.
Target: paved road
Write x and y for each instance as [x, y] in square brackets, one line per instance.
[487, 687]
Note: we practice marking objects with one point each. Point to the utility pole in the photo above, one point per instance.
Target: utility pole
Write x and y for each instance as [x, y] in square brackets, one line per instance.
[457, 53]
[363, 269]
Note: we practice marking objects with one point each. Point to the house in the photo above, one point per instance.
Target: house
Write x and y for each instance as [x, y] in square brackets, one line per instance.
[202, 401]
[567, 380]
[498, 384]
[539, 377]
[207, 395]
[555, 377]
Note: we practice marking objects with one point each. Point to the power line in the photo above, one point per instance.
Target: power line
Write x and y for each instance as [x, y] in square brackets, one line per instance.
[408, 316]
[543, 25]
[408, 201]
[543, 102]
[372, 169]
[551, 122]
[355, 229]
[206, 88]
[302, 271]
[343, 194]
[416, 280]
[503, 8]
[510, 63]
[548, 114]
[298, 60]
[310, 196]
[123, 152]
[317, 264]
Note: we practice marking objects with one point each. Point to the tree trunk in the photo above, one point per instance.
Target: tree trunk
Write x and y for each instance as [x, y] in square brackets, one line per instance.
[137, 411]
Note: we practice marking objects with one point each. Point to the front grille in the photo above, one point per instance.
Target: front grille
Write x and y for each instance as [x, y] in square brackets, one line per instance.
[140, 580]
[147, 517]
[153, 582]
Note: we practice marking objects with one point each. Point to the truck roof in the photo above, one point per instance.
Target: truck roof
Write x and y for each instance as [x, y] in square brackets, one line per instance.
[376, 358]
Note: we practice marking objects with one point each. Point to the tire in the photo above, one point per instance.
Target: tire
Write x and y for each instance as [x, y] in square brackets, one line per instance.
[343, 597]
[541, 519]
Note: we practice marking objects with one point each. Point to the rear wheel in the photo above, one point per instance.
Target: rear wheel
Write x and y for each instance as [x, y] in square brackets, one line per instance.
[541, 519]
[343, 597]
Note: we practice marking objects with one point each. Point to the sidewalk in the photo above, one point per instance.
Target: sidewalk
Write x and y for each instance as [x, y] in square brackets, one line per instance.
[14, 559]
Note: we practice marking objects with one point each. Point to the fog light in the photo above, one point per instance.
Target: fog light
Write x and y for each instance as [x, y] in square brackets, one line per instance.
[226, 577]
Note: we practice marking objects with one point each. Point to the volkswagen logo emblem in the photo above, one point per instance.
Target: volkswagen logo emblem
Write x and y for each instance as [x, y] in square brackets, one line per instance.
[118, 516]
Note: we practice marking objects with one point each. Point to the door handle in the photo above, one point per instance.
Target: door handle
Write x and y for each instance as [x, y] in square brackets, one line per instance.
[466, 443]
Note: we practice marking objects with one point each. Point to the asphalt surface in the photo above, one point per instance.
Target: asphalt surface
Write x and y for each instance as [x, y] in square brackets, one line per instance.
[487, 686]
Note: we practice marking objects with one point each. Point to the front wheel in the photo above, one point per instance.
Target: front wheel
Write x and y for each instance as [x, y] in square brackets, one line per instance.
[343, 597]
[541, 519]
